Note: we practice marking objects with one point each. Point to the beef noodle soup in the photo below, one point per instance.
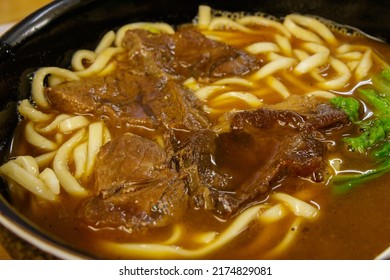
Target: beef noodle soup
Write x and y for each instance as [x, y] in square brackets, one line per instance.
[235, 136]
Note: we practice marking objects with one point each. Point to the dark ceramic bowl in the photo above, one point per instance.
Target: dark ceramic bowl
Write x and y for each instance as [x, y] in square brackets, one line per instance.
[51, 35]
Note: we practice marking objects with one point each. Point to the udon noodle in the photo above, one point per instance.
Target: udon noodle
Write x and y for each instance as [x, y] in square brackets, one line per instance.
[301, 55]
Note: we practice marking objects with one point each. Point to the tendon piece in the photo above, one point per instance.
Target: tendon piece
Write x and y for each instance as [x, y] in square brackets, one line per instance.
[138, 190]
[187, 53]
[126, 100]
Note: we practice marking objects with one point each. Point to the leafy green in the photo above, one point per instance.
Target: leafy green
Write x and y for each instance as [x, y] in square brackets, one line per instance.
[380, 102]
[373, 140]
[372, 133]
[382, 81]
[349, 105]
[344, 183]
[383, 151]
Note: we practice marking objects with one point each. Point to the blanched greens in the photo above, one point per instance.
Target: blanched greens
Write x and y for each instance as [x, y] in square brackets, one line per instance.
[373, 140]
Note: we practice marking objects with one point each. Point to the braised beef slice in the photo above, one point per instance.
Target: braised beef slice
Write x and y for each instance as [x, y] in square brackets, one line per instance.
[195, 162]
[124, 100]
[198, 56]
[301, 155]
[135, 188]
[320, 117]
[187, 53]
[291, 144]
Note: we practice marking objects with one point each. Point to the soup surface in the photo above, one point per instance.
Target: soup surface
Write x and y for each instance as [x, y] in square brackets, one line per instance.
[239, 137]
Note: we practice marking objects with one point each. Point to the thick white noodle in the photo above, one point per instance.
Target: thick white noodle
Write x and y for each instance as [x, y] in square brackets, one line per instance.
[27, 180]
[37, 140]
[284, 45]
[204, 16]
[161, 250]
[80, 56]
[207, 91]
[297, 206]
[234, 81]
[106, 42]
[278, 86]
[153, 27]
[30, 112]
[311, 62]
[29, 164]
[37, 87]
[60, 165]
[343, 75]
[80, 159]
[256, 20]
[53, 125]
[312, 24]
[49, 177]
[228, 97]
[364, 66]
[100, 62]
[73, 123]
[262, 47]
[45, 160]
[95, 141]
[273, 214]
[225, 23]
[273, 67]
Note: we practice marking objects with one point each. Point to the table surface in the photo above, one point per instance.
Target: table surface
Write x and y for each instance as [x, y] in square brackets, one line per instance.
[15, 10]
[11, 12]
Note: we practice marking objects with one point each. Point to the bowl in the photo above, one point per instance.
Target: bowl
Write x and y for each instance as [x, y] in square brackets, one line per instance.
[51, 35]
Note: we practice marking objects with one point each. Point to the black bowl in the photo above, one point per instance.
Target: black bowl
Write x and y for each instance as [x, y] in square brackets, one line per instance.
[51, 35]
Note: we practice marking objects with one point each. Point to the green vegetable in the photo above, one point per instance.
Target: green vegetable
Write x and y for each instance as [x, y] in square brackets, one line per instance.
[349, 105]
[375, 131]
[382, 81]
[372, 133]
[383, 151]
[344, 183]
[380, 103]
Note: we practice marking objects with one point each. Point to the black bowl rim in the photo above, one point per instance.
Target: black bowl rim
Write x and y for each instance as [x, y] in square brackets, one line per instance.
[9, 217]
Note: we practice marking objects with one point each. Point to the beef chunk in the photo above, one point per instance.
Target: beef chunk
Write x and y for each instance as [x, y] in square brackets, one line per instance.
[198, 56]
[195, 161]
[301, 155]
[187, 53]
[132, 160]
[310, 116]
[135, 188]
[266, 118]
[124, 100]
[290, 142]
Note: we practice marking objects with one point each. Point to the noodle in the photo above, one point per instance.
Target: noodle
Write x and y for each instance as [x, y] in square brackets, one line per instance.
[37, 140]
[99, 63]
[24, 178]
[38, 83]
[60, 167]
[253, 20]
[273, 67]
[163, 251]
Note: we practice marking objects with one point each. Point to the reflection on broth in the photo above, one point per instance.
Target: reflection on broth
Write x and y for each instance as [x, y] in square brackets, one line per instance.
[239, 132]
